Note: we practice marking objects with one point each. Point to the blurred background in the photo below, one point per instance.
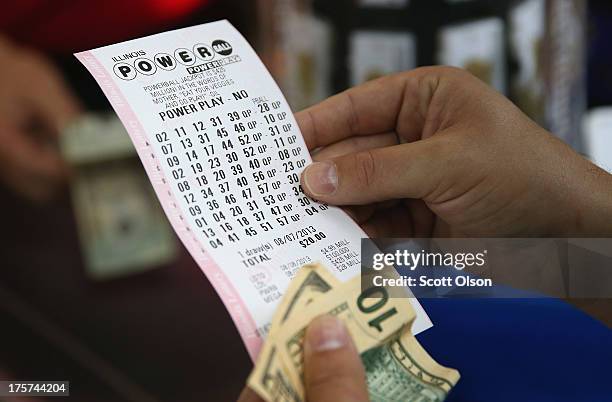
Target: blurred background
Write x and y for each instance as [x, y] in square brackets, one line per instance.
[95, 288]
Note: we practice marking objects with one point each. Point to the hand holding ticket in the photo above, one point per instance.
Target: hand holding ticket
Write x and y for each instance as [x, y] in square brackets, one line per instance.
[224, 154]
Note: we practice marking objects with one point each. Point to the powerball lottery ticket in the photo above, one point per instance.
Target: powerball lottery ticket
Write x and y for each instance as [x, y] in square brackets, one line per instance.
[224, 154]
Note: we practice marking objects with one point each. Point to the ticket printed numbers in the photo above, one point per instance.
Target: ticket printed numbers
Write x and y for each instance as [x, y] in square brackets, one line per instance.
[224, 154]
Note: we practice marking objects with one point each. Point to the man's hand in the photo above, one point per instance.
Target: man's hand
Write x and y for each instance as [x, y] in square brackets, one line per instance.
[435, 151]
[34, 105]
[332, 367]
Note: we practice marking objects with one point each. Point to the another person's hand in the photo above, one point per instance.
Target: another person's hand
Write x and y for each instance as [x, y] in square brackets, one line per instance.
[436, 152]
[34, 105]
[332, 367]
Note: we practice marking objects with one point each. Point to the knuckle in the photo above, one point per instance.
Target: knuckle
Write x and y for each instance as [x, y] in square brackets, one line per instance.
[446, 73]
[308, 115]
[354, 143]
[366, 166]
[353, 117]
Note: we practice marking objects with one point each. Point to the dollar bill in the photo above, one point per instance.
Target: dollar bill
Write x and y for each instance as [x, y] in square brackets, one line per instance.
[401, 370]
[397, 367]
[370, 316]
[121, 225]
[268, 378]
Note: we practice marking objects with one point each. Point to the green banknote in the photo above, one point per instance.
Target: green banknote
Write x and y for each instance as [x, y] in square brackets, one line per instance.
[121, 225]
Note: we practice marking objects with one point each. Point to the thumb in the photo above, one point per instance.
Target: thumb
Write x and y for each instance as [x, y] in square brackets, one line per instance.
[332, 367]
[411, 170]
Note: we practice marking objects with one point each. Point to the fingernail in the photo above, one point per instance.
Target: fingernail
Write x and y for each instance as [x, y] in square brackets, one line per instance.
[320, 178]
[326, 333]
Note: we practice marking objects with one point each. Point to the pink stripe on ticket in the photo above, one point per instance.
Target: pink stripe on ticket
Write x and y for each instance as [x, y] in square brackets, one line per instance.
[232, 300]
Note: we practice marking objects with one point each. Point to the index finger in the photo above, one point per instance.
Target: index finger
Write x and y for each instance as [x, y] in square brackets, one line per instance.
[370, 108]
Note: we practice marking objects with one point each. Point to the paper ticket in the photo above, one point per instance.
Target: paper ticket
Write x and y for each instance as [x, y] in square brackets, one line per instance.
[224, 154]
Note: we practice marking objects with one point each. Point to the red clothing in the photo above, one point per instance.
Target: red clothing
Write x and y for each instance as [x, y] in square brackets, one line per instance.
[62, 26]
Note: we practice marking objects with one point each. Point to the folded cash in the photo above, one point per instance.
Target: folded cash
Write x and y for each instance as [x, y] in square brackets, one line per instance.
[397, 367]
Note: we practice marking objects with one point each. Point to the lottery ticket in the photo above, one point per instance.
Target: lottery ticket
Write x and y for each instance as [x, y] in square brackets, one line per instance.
[224, 154]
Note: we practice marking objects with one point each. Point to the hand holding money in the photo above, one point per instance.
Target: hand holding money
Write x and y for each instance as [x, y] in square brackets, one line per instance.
[313, 327]
[332, 368]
